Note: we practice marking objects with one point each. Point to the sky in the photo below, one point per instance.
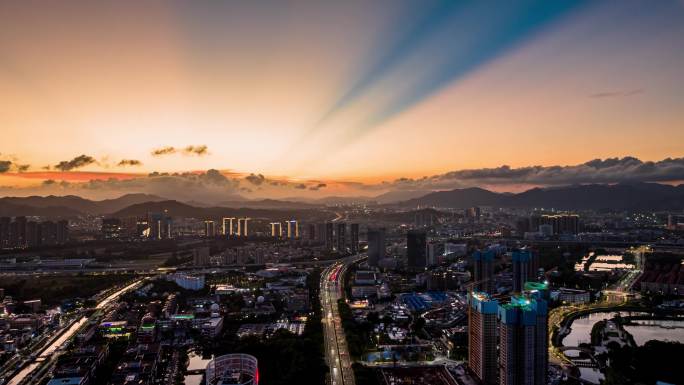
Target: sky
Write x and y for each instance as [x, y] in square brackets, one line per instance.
[343, 94]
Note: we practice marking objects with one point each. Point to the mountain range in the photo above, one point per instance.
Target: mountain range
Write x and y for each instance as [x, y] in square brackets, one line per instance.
[624, 196]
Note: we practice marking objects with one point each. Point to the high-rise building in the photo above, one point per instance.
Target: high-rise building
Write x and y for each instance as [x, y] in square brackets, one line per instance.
[320, 232]
[243, 227]
[354, 238]
[376, 246]
[525, 266]
[483, 270]
[48, 233]
[341, 237]
[5, 232]
[201, 256]
[561, 223]
[312, 231]
[276, 229]
[424, 218]
[32, 234]
[292, 229]
[160, 225]
[482, 324]
[62, 232]
[416, 248]
[473, 213]
[227, 228]
[523, 341]
[209, 228]
[435, 251]
[20, 229]
[329, 240]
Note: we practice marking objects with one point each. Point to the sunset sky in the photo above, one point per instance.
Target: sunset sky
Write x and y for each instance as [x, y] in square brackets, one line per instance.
[330, 91]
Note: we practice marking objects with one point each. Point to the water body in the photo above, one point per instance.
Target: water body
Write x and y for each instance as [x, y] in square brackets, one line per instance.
[646, 330]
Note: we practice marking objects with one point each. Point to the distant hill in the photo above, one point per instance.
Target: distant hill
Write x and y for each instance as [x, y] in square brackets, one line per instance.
[268, 204]
[13, 210]
[631, 196]
[183, 210]
[69, 205]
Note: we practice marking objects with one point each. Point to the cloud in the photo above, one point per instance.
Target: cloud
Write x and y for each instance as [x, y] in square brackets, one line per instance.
[129, 162]
[199, 150]
[300, 186]
[256, 179]
[318, 187]
[164, 151]
[613, 94]
[5, 165]
[22, 167]
[77, 162]
[609, 170]
[196, 150]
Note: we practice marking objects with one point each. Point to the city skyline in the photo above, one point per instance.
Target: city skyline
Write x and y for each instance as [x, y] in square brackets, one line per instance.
[327, 93]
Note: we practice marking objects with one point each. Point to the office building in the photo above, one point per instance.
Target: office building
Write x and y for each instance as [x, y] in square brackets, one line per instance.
[523, 341]
[376, 246]
[354, 238]
[482, 348]
[416, 248]
[483, 270]
[227, 228]
[341, 237]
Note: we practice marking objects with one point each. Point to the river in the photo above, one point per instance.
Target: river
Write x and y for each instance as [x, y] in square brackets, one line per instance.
[672, 330]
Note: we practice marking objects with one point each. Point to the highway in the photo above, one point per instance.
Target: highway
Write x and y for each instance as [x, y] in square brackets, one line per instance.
[336, 351]
[47, 353]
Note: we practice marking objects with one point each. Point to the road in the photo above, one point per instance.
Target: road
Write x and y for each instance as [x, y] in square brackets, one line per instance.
[47, 352]
[336, 351]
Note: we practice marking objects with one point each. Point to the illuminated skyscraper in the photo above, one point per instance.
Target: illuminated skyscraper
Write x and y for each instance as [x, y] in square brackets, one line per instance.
[209, 229]
[276, 229]
[482, 323]
[243, 228]
[292, 229]
[227, 228]
[523, 341]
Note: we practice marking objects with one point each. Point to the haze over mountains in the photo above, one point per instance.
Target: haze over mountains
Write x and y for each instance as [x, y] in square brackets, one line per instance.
[625, 196]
